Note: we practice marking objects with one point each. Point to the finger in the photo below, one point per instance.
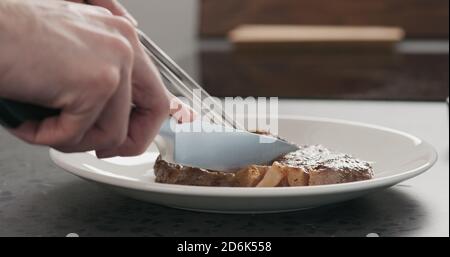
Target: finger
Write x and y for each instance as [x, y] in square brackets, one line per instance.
[144, 126]
[65, 129]
[111, 128]
[151, 109]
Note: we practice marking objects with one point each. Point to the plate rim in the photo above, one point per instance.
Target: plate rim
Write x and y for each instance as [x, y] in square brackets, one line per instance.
[262, 192]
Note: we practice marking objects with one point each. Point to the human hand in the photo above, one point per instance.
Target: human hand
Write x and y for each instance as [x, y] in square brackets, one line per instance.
[88, 63]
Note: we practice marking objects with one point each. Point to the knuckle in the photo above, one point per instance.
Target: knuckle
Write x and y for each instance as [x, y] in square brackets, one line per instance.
[135, 150]
[102, 10]
[70, 138]
[106, 80]
[140, 150]
[162, 107]
[126, 28]
[114, 140]
[120, 46]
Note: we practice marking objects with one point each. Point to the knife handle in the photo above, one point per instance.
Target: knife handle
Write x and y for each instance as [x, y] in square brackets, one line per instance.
[13, 113]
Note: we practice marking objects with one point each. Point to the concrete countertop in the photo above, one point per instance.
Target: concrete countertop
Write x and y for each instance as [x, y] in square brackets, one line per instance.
[39, 199]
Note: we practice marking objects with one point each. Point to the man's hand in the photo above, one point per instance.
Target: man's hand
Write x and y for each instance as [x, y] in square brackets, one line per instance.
[87, 62]
[178, 110]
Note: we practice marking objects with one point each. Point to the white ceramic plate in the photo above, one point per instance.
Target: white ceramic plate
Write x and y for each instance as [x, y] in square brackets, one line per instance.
[397, 156]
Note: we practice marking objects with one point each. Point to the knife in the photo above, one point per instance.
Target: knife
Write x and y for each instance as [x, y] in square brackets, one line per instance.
[13, 113]
[216, 148]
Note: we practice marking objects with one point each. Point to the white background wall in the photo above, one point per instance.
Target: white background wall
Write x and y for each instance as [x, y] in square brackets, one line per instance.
[172, 24]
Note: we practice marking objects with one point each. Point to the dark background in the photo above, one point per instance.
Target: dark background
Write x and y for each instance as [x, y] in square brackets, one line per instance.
[328, 73]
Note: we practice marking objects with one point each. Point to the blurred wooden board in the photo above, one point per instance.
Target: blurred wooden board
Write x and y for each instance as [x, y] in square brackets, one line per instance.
[419, 18]
[372, 76]
[317, 37]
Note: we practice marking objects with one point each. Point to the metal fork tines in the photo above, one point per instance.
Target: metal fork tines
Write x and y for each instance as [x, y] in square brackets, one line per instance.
[182, 82]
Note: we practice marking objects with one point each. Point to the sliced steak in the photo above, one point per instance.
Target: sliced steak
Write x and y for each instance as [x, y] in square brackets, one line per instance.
[326, 167]
[169, 173]
[309, 166]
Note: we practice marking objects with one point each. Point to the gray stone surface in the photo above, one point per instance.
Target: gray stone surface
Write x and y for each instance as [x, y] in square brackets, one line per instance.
[39, 199]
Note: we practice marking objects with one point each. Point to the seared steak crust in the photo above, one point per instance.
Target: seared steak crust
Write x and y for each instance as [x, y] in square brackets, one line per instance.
[308, 166]
[169, 173]
[327, 167]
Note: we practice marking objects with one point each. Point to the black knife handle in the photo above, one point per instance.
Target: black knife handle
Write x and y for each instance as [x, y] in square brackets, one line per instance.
[13, 113]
